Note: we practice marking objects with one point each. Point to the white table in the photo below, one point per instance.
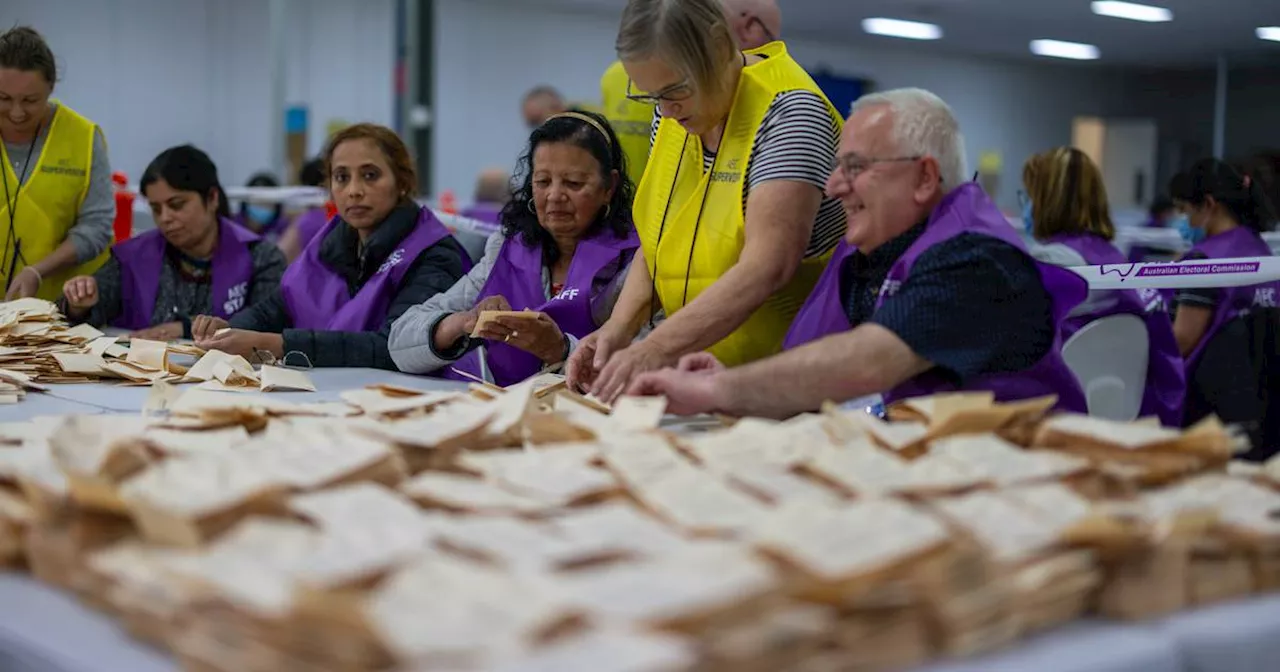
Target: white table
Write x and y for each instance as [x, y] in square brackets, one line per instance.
[1088, 646]
[45, 630]
[1233, 637]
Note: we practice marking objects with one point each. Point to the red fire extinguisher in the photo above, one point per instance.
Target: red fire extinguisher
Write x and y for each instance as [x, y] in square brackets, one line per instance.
[123, 224]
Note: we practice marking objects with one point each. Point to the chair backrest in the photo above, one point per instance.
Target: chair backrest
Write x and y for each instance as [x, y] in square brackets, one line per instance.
[1109, 358]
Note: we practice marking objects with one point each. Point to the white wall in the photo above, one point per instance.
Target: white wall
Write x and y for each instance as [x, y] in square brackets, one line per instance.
[489, 53]
[497, 49]
[156, 73]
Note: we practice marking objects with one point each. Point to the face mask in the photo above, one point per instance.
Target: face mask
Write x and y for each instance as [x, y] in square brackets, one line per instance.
[261, 214]
[1028, 222]
[1189, 233]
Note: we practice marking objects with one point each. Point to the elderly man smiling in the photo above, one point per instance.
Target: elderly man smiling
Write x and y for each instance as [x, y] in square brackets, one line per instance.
[932, 289]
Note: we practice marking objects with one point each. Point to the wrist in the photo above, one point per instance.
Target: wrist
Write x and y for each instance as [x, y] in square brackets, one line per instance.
[722, 393]
[273, 343]
[448, 332]
[33, 271]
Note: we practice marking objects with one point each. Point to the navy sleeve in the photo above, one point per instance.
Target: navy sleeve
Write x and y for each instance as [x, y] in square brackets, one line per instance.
[1204, 297]
[972, 305]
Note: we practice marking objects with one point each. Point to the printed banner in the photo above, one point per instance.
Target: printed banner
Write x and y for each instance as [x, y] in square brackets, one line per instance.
[1182, 274]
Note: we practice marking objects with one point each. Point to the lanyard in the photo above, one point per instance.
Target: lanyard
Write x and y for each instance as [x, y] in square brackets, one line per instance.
[12, 206]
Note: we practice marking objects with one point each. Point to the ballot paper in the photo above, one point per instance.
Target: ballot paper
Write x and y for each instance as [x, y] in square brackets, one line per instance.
[841, 543]
[87, 364]
[688, 584]
[608, 649]
[1008, 531]
[470, 494]
[639, 413]
[235, 371]
[489, 316]
[438, 608]
[280, 379]
[377, 402]
[146, 354]
[698, 502]
[357, 505]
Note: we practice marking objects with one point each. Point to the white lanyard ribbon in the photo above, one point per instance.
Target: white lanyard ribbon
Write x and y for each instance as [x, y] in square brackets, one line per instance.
[1192, 274]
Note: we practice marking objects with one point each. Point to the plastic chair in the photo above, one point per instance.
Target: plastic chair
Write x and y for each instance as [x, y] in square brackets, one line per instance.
[1109, 357]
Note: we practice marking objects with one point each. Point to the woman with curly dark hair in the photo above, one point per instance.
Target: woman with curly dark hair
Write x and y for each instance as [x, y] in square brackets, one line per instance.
[566, 241]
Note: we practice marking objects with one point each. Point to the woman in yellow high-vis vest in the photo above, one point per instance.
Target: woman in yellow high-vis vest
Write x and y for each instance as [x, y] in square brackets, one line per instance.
[734, 226]
[55, 220]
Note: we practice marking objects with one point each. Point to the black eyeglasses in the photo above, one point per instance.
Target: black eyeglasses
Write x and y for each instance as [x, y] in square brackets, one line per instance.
[755, 21]
[672, 94]
[852, 165]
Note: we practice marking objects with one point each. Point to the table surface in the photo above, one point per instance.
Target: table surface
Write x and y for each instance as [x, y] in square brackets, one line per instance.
[43, 629]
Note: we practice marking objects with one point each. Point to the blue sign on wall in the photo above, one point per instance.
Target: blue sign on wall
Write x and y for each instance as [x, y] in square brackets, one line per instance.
[295, 120]
[842, 91]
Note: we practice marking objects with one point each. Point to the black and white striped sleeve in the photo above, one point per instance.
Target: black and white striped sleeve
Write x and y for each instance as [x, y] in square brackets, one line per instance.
[797, 141]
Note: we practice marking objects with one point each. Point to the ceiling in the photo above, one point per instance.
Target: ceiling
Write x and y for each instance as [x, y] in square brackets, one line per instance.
[1199, 32]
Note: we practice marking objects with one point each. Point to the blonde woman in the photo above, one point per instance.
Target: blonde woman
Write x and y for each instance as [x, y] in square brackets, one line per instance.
[1065, 209]
[733, 223]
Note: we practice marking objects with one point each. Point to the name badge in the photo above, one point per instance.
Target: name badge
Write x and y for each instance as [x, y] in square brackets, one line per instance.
[236, 297]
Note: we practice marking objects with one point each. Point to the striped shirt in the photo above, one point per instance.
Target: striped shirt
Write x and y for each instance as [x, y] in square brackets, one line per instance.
[796, 141]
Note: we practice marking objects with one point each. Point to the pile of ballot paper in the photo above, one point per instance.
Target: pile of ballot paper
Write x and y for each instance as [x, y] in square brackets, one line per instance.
[37, 347]
[530, 528]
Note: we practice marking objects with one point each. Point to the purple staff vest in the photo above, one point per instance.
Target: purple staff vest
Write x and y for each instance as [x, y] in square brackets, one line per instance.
[489, 213]
[967, 209]
[316, 297]
[1166, 385]
[309, 223]
[517, 276]
[142, 257]
[1234, 302]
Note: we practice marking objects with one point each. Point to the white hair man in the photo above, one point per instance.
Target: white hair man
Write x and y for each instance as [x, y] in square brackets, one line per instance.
[931, 290]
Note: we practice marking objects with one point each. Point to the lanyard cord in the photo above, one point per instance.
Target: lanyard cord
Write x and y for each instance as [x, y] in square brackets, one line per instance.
[697, 225]
[12, 206]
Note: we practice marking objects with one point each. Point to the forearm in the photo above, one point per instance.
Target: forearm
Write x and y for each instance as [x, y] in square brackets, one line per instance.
[716, 312]
[635, 303]
[62, 258]
[866, 360]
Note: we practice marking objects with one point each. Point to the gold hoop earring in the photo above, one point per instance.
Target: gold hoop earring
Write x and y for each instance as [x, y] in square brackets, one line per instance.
[529, 206]
[607, 209]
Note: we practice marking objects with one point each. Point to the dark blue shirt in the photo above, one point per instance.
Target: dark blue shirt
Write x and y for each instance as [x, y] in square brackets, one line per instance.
[972, 305]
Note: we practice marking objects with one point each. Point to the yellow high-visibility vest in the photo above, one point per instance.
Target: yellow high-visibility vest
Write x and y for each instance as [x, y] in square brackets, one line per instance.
[47, 205]
[706, 212]
[631, 121]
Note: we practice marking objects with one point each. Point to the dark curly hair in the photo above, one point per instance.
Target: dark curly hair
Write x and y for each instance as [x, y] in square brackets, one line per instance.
[518, 216]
